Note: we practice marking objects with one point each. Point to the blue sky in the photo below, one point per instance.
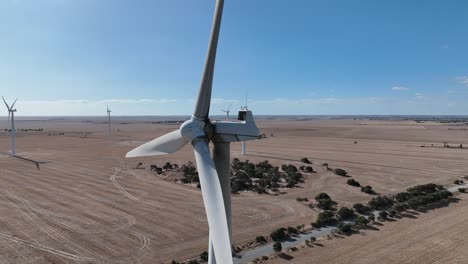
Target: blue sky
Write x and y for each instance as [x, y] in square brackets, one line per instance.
[145, 57]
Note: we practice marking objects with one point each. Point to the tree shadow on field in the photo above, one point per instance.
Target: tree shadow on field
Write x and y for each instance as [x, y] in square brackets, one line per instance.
[286, 256]
[369, 227]
[408, 215]
[437, 205]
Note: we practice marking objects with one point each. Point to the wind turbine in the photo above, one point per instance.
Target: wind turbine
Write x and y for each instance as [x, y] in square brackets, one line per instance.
[214, 172]
[108, 121]
[11, 117]
[227, 111]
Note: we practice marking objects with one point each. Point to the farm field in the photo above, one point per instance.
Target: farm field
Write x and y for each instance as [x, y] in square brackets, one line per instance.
[437, 236]
[88, 204]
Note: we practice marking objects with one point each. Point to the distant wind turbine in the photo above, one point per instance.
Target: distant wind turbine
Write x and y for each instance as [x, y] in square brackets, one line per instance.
[11, 118]
[108, 121]
[227, 111]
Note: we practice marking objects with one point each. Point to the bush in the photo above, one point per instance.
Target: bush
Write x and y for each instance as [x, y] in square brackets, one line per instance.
[425, 189]
[324, 218]
[383, 215]
[279, 235]
[264, 258]
[362, 221]
[313, 239]
[292, 230]
[306, 160]
[322, 196]
[341, 172]
[345, 228]
[360, 208]
[261, 239]
[309, 169]
[399, 207]
[458, 182]
[367, 189]
[204, 256]
[462, 190]
[325, 204]
[380, 202]
[344, 213]
[402, 197]
[371, 218]
[353, 182]
[277, 247]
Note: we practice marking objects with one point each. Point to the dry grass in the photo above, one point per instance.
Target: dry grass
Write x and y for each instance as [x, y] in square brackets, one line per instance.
[87, 204]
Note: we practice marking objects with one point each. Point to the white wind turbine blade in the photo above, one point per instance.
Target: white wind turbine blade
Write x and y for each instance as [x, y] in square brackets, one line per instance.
[7, 106]
[166, 144]
[214, 202]
[204, 95]
[13, 104]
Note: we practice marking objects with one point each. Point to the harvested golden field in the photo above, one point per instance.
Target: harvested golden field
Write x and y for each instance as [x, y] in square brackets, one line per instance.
[89, 204]
[436, 236]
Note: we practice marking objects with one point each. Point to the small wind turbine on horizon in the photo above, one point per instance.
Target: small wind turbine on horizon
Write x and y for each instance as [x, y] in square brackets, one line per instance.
[227, 111]
[108, 121]
[11, 118]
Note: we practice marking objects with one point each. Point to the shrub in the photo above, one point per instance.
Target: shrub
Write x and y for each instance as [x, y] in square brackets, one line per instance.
[380, 202]
[399, 207]
[371, 218]
[458, 182]
[260, 239]
[277, 247]
[383, 215]
[204, 256]
[425, 188]
[462, 190]
[362, 221]
[402, 197]
[167, 166]
[367, 189]
[309, 169]
[292, 230]
[324, 218]
[322, 196]
[325, 204]
[306, 160]
[360, 208]
[313, 239]
[344, 213]
[345, 228]
[341, 172]
[279, 234]
[353, 182]
[264, 257]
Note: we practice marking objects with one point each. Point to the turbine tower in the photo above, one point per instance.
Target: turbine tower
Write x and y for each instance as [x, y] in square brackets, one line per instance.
[244, 146]
[227, 111]
[108, 121]
[214, 172]
[11, 118]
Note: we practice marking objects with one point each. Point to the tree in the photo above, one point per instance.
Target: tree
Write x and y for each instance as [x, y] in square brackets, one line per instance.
[399, 207]
[322, 196]
[309, 169]
[204, 256]
[367, 189]
[353, 182]
[344, 213]
[306, 160]
[277, 247]
[341, 172]
[279, 234]
[292, 230]
[325, 204]
[345, 228]
[380, 202]
[167, 166]
[260, 239]
[360, 208]
[362, 221]
[383, 215]
[324, 218]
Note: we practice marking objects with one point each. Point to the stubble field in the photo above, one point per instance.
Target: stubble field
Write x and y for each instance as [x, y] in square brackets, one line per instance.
[88, 204]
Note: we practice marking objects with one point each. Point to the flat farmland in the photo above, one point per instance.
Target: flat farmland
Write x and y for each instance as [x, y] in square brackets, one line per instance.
[88, 204]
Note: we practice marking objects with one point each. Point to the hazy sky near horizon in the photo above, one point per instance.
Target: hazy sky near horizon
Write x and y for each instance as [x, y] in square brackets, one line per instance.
[72, 57]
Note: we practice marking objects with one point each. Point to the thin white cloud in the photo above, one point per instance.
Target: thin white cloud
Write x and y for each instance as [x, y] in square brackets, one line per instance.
[463, 80]
[400, 88]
